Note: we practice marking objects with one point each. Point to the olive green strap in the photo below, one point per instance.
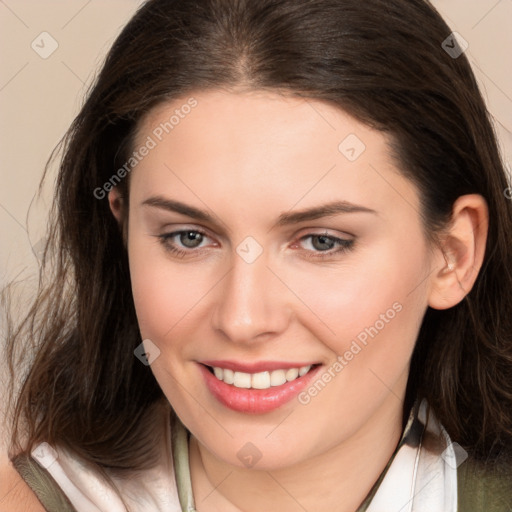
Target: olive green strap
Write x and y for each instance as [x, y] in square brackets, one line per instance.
[484, 489]
[41, 482]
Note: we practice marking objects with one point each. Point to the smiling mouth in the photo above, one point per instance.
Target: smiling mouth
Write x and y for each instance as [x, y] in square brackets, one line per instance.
[259, 380]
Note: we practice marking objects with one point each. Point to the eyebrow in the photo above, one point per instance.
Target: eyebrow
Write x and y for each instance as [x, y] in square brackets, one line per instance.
[287, 218]
[318, 212]
[178, 207]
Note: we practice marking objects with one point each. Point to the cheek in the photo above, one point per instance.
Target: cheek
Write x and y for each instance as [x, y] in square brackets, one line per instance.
[373, 295]
[163, 291]
[368, 314]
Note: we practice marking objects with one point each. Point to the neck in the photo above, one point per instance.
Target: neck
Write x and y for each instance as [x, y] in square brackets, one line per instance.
[339, 479]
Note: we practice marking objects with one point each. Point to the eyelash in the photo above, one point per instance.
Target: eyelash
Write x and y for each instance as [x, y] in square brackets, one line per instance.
[344, 245]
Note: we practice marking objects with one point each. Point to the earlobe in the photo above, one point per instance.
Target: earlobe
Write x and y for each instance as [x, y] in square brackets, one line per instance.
[461, 253]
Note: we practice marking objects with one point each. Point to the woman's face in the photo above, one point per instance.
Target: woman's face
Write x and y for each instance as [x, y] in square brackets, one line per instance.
[270, 236]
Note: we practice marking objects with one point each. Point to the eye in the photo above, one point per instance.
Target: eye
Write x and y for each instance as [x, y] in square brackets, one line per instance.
[321, 242]
[183, 242]
[324, 245]
[190, 239]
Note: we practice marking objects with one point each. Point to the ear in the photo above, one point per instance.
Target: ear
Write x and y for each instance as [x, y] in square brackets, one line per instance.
[119, 209]
[115, 202]
[459, 258]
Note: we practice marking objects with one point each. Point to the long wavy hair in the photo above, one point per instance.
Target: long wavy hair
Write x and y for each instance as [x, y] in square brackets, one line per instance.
[383, 62]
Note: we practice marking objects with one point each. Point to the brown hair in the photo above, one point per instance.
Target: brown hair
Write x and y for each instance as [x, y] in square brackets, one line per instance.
[381, 61]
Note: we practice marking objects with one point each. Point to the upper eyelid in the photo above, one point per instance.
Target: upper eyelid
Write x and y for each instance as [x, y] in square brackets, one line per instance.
[326, 232]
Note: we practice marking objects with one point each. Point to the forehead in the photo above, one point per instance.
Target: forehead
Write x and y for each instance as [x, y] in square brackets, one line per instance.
[262, 148]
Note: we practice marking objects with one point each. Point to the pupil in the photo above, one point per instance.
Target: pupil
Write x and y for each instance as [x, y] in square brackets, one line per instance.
[322, 242]
[191, 238]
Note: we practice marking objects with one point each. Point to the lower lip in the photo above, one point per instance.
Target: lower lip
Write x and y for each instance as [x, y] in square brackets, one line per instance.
[256, 401]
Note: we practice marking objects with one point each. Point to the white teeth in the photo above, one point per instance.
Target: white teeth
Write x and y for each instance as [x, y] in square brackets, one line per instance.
[229, 376]
[261, 380]
[292, 374]
[302, 370]
[277, 378]
[242, 380]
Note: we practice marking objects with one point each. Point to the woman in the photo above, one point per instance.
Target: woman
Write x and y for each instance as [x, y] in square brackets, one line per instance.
[282, 275]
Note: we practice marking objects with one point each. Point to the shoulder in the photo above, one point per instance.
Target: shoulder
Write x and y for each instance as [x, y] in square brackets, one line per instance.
[15, 494]
[485, 487]
[31, 488]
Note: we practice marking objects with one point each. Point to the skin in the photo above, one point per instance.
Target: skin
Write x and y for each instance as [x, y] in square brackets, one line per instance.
[246, 157]
[15, 494]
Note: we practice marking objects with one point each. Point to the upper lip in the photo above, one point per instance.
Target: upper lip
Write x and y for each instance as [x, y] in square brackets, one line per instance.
[255, 367]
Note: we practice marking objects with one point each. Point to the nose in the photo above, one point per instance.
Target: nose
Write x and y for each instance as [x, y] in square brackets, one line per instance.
[251, 304]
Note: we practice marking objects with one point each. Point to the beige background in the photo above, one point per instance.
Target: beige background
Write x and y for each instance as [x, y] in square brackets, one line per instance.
[40, 96]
